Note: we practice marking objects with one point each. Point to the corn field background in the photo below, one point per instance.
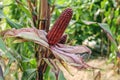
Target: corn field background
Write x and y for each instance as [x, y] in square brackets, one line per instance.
[94, 23]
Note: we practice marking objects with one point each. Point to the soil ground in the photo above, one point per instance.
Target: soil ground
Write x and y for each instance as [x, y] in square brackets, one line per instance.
[106, 72]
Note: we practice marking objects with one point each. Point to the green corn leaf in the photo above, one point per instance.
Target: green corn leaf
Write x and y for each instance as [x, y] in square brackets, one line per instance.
[13, 24]
[27, 12]
[1, 14]
[110, 35]
[47, 73]
[31, 73]
[52, 76]
[61, 76]
[7, 69]
[106, 29]
[1, 78]
[4, 49]
[2, 45]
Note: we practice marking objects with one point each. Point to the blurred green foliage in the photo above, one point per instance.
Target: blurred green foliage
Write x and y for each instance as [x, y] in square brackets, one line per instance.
[14, 15]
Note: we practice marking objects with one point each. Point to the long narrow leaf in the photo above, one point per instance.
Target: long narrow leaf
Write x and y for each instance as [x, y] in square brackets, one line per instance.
[106, 29]
[25, 10]
[1, 14]
[13, 24]
[2, 45]
[30, 34]
[110, 35]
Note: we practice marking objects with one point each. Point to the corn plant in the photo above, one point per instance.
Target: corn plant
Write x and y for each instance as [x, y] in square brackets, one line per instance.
[50, 50]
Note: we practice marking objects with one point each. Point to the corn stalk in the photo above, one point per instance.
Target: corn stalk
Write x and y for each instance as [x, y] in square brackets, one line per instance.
[43, 24]
[40, 20]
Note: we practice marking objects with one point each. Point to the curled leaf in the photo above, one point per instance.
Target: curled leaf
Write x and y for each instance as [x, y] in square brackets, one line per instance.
[73, 49]
[30, 34]
[64, 55]
[69, 55]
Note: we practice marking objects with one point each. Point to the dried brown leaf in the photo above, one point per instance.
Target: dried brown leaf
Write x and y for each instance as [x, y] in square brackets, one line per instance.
[29, 34]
